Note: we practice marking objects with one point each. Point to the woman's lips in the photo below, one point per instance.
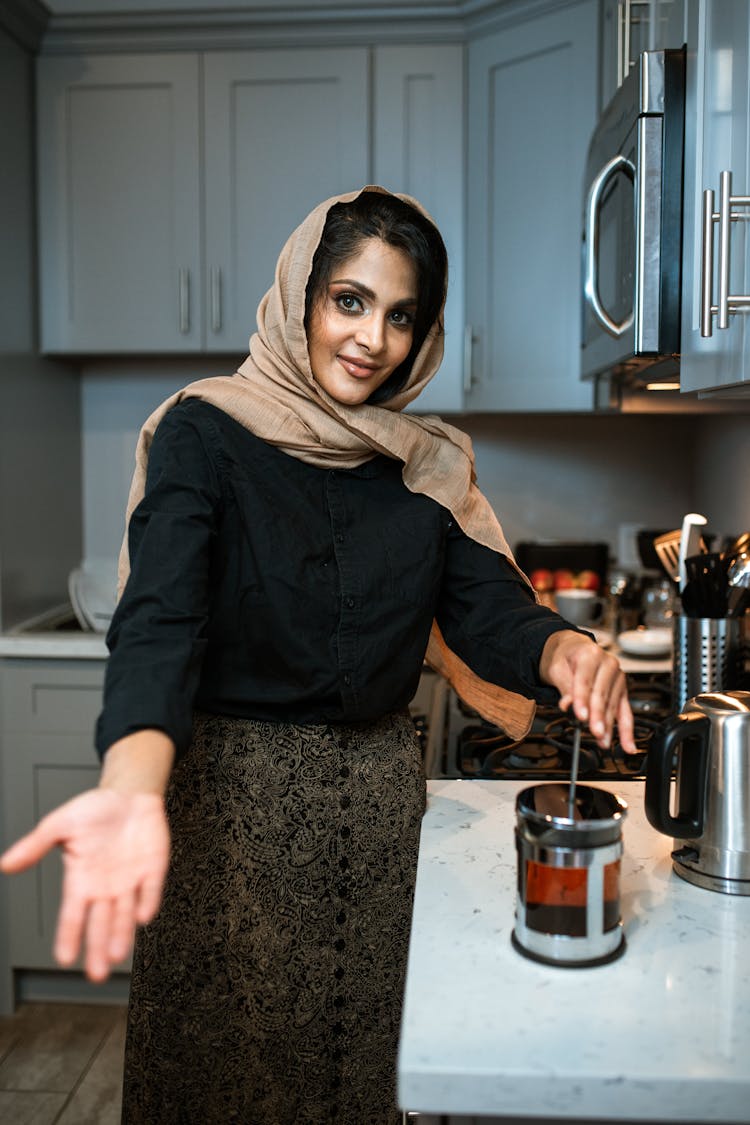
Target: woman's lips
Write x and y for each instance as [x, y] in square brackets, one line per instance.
[357, 367]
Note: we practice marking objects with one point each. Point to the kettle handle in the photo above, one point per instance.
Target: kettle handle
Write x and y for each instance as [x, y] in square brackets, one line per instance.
[687, 823]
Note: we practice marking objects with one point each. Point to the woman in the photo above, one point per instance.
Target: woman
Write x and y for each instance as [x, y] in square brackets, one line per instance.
[296, 544]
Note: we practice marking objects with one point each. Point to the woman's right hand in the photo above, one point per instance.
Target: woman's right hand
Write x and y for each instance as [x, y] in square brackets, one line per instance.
[115, 848]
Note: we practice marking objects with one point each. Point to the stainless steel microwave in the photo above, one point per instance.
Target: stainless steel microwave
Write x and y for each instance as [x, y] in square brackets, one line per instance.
[632, 226]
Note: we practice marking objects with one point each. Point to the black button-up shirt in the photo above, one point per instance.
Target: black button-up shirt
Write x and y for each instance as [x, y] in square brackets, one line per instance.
[267, 588]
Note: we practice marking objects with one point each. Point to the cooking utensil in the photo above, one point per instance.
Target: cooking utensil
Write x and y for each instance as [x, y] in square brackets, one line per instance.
[705, 591]
[667, 547]
[738, 546]
[738, 580]
[690, 542]
[711, 740]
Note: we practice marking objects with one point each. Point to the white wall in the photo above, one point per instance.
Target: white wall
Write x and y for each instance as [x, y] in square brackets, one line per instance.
[582, 476]
[553, 476]
[40, 518]
[721, 470]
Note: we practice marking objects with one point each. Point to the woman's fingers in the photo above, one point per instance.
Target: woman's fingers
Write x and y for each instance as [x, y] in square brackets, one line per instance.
[596, 693]
[32, 847]
[71, 921]
[122, 927]
[98, 927]
[626, 727]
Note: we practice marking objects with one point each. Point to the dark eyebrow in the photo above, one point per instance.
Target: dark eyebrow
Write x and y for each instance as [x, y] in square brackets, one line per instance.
[368, 292]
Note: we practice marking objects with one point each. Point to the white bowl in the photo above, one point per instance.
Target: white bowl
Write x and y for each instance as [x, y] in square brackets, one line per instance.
[645, 642]
[93, 599]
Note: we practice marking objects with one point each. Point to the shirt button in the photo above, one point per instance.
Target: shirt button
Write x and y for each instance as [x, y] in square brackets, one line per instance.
[350, 603]
[339, 945]
[347, 678]
[345, 802]
[339, 538]
[344, 771]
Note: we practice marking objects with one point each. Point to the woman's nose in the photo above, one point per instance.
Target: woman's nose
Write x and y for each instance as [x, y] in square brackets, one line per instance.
[371, 334]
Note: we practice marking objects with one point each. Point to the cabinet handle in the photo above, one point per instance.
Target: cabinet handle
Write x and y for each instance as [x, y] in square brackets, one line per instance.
[468, 358]
[727, 304]
[591, 281]
[216, 299]
[184, 280]
[626, 41]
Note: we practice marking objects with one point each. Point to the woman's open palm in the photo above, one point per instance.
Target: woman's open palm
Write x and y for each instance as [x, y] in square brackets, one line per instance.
[115, 849]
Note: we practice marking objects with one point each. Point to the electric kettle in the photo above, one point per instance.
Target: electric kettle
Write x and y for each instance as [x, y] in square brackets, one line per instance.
[708, 747]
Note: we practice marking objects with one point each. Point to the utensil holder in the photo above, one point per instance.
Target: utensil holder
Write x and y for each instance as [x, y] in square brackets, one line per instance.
[705, 656]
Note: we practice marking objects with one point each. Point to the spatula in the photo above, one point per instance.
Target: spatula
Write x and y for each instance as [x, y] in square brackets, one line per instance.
[667, 547]
[690, 542]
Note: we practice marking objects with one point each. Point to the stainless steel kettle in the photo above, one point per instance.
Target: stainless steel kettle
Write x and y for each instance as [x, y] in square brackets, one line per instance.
[708, 744]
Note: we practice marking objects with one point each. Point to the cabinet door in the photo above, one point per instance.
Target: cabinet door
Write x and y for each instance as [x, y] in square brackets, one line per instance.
[631, 26]
[532, 108]
[48, 710]
[283, 131]
[119, 203]
[716, 140]
[419, 149]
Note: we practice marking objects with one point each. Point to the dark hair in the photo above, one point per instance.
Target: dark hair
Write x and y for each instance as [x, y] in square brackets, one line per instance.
[375, 215]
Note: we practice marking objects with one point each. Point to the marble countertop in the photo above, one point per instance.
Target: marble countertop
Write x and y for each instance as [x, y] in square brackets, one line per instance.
[53, 634]
[663, 1033]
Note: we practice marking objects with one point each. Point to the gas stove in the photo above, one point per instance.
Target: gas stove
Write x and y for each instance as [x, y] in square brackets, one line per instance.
[459, 743]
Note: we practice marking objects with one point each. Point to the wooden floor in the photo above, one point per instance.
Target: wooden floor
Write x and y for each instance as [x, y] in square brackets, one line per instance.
[61, 1064]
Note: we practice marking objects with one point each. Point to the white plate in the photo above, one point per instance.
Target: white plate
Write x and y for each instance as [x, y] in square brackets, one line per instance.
[93, 600]
[646, 642]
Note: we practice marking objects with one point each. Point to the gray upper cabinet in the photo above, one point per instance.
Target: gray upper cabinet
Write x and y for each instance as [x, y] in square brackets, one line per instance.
[532, 108]
[119, 203]
[124, 163]
[419, 149]
[631, 26]
[284, 129]
[716, 141]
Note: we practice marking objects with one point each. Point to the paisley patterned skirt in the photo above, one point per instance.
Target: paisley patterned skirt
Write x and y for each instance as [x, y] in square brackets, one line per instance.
[268, 989]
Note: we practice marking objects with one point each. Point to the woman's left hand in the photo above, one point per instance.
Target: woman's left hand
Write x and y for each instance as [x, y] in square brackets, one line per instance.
[591, 683]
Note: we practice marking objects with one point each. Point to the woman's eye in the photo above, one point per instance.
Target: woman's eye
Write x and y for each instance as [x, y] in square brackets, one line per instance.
[401, 318]
[348, 302]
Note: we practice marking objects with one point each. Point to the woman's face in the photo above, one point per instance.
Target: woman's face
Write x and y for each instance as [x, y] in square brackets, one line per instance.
[361, 326]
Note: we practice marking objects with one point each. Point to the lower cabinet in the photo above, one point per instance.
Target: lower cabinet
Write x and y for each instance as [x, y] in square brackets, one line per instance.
[48, 708]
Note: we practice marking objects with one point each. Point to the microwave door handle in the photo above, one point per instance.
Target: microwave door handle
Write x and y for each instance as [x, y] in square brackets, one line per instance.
[591, 283]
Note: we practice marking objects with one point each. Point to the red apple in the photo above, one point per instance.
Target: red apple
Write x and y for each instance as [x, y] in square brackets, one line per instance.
[588, 580]
[542, 579]
[564, 580]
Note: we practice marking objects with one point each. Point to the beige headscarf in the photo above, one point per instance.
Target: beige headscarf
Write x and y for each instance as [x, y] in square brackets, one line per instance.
[275, 396]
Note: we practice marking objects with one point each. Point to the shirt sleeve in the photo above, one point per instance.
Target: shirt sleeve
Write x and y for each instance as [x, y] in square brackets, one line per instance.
[489, 618]
[157, 637]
